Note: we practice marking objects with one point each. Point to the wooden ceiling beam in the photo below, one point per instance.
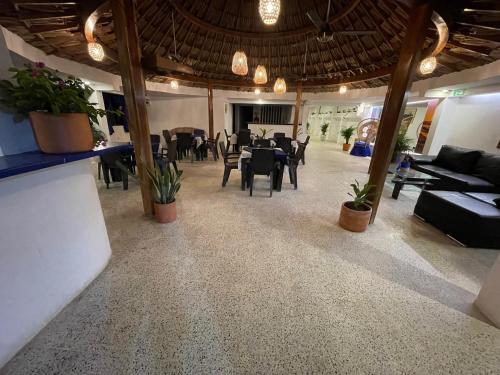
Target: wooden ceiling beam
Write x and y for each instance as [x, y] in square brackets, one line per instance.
[35, 16]
[44, 29]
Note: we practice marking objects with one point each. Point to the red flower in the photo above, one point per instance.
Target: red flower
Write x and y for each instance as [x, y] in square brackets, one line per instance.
[40, 65]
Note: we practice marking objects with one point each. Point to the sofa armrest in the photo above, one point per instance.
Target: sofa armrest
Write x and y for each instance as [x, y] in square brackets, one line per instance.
[422, 159]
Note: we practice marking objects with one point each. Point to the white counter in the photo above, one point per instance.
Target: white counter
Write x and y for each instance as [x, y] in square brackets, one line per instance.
[54, 243]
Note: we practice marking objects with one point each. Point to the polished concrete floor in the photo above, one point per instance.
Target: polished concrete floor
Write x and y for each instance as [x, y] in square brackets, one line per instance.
[259, 285]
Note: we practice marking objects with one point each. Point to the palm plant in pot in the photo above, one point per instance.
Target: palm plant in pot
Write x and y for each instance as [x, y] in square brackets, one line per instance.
[355, 214]
[403, 145]
[62, 118]
[324, 129]
[166, 184]
[347, 134]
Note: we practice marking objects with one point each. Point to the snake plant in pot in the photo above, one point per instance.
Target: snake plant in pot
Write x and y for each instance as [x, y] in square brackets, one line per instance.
[166, 183]
[62, 118]
[355, 214]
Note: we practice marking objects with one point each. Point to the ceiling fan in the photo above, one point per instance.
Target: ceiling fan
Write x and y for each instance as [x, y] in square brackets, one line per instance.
[325, 31]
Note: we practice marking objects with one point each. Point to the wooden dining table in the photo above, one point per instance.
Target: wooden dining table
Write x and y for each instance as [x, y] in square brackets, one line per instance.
[245, 157]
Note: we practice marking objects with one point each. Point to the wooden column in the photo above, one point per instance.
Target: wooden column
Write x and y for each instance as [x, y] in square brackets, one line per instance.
[210, 111]
[134, 88]
[298, 102]
[395, 99]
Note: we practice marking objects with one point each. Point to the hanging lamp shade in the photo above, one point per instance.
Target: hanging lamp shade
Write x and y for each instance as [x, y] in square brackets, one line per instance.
[279, 86]
[240, 66]
[260, 76]
[95, 51]
[269, 11]
[428, 65]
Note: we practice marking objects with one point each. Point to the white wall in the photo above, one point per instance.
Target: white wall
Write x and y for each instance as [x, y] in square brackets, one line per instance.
[53, 244]
[469, 121]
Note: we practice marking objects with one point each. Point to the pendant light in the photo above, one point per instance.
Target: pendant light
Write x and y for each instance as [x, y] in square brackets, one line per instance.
[260, 76]
[240, 66]
[428, 65]
[95, 51]
[280, 86]
[342, 89]
[269, 11]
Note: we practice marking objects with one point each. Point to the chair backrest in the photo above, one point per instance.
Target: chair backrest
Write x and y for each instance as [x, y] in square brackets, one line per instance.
[306, 142]
[225, 132]
[262, 143]
[217, 138]
[285, 143]
[262, 160]
[278, 135]
[172, 150]
[244, 137]
[223, 150]
[184, 140]
[155, 142]
[198, 132]
[183, 129]
[300, 152]
[167, 136]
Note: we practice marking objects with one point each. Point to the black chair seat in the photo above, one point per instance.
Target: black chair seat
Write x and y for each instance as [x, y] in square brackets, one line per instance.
[232, 165]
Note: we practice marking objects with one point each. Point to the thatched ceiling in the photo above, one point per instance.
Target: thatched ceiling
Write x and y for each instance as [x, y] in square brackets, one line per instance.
[208, 32]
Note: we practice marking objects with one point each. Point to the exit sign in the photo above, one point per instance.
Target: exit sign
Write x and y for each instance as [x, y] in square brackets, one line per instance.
[458, 92]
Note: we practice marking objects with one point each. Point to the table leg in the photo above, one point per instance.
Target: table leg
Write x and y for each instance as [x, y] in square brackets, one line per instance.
[243, 173]
[397, 188]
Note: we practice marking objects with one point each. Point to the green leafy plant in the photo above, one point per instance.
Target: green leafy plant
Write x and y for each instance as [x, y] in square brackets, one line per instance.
[360, 196]
[264, 132]
[324, 128]
[347, 133]
[403, 144]
[166, 183]
[36, 88]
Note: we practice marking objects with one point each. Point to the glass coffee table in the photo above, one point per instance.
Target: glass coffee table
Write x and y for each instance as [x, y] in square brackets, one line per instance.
[411, 177]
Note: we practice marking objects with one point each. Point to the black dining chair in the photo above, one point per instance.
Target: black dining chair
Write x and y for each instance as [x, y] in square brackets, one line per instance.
[285, 143]
[305, 143]
[278, 135]
[114, 168]
[244, 138]
[211, 144]
[230, 162]
[262, 143]
[198, 132]
[184, 145]
[293, 163]
[262, 162]
[167, 136]
[169, 155]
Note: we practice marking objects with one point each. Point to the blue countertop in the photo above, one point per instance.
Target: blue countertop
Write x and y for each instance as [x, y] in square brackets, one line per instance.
[12, 165]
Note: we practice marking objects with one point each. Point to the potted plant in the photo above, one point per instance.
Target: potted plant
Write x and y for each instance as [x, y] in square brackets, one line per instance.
[62, 118]
[166, 184]
[405, 164]
[264, 132]
[403, 144]
[324, 129]
[355, 214]
[347, 134]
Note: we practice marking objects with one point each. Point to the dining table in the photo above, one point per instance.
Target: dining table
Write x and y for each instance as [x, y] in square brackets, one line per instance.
[244, 167]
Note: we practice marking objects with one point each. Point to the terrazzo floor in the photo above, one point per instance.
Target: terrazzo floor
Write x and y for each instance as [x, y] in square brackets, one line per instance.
[259, 285]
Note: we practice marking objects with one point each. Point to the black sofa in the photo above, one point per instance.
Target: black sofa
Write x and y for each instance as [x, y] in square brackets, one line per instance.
[461, 169]
[473, 219]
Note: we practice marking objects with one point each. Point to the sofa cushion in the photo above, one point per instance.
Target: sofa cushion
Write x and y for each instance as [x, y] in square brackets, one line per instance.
[488, 168]
[458, 159]
[497, 202]
[465, 180]
[490, 198]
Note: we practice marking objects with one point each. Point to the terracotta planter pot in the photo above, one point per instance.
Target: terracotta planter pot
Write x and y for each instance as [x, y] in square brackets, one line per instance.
[65, 133]
[346, 146]
[165, 213]
[353, 220]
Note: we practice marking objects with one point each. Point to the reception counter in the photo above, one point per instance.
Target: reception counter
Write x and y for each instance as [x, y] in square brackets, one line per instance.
[54, 239]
